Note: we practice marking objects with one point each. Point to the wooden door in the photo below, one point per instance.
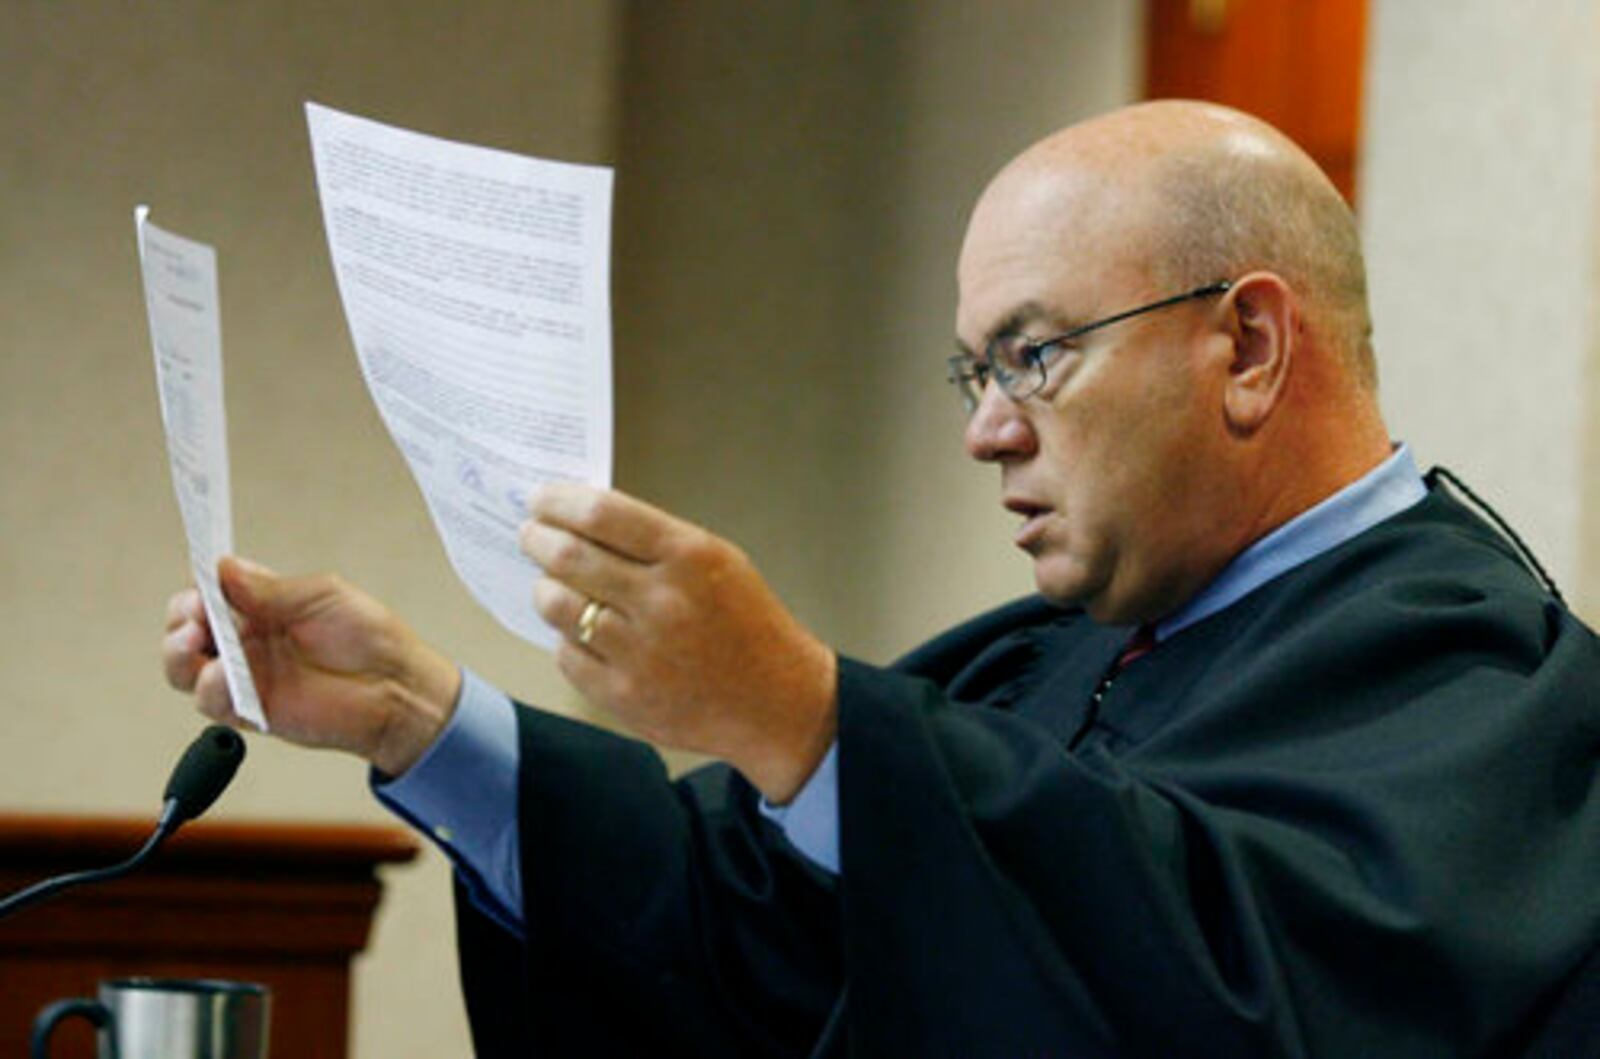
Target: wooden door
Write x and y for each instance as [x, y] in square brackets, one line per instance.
[1295, 63]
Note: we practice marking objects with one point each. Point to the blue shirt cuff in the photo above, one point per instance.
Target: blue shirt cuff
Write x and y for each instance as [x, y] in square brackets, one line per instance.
[462, 793]
[811, 820]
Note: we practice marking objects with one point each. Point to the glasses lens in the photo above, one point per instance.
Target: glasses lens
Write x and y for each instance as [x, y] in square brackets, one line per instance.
[968, 374]
[1019, 365]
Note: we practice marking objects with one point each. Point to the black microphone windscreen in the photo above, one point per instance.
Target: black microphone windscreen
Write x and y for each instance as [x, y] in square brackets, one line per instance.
[204, 771]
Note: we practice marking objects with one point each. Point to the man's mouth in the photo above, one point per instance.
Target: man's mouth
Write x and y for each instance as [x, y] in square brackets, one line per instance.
[1033, 514]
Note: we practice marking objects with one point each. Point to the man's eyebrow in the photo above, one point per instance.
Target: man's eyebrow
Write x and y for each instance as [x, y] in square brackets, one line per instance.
[1028, 312]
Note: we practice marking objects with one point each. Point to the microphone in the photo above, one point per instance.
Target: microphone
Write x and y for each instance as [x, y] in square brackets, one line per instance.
[201, 775]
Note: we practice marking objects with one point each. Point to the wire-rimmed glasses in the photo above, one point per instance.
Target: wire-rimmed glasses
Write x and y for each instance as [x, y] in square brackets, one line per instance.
[1021, 365]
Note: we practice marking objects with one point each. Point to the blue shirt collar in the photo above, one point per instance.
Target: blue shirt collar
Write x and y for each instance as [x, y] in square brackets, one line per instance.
[1382, 493]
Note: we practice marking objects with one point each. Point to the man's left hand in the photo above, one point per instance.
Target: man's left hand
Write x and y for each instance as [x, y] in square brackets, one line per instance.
[690, 647]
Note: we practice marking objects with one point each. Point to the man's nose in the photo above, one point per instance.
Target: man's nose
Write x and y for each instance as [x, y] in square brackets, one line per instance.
[998, 429]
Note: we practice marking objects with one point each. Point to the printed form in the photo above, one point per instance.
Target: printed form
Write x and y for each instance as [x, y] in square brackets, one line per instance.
[476, 284]
[180, 291]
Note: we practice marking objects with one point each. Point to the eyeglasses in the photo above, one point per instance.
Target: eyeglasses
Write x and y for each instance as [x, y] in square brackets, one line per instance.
[1021, 365]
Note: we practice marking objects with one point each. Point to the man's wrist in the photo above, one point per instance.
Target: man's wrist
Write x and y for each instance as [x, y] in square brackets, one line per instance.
[423, 696]
[780, 767]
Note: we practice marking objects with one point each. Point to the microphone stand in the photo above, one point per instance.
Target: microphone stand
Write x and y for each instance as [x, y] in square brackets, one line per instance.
[200, 776]
[39, 891]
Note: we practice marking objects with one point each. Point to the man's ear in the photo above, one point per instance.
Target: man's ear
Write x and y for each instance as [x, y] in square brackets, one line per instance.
[1264, 318]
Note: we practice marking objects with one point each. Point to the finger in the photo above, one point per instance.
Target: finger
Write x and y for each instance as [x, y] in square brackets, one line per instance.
[604, 686]
[184, 651]
[211, 696]
[585, 672]
[563, 608]
[266, 598]
[185, 606]
[590, 568]
[186, 613]
[621, 523]
[243, 583]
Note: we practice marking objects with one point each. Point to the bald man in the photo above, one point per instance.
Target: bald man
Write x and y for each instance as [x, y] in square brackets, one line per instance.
[1289, 756]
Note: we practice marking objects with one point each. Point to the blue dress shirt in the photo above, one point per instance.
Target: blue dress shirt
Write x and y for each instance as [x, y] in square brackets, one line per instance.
[463, 792]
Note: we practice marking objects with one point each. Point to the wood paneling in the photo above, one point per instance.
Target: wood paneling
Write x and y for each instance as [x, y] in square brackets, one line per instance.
[288, 906]
[1295, 63]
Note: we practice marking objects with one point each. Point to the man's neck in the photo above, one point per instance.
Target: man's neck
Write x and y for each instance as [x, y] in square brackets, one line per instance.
[1383, 492]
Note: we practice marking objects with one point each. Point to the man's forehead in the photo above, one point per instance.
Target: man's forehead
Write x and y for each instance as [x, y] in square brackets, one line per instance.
[1053, 273]
[1039, 218]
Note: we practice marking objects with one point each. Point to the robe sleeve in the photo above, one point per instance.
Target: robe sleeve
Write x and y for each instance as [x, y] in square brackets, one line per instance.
[662, 918]
[1367, 833]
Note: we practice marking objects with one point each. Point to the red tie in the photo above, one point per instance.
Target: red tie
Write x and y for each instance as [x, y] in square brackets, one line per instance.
[1141, 643]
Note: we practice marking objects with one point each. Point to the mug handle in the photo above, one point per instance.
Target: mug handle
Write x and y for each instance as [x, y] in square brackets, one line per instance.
[52, 1014]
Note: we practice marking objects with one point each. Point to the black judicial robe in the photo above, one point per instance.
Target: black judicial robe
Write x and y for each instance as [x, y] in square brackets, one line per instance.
[1356, 814]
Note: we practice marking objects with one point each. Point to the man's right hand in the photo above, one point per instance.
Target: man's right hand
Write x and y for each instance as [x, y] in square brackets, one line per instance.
[334, 667]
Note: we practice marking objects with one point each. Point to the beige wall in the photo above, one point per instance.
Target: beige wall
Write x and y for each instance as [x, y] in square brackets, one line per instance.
[1480, 184]
[746, 256]
[972, 86]
[196, 108]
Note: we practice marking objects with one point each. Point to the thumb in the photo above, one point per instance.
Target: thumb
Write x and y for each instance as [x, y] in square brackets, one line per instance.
[268, 599]
[255, 591]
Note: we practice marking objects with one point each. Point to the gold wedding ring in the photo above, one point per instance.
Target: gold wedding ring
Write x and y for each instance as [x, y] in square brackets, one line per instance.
[588, 620]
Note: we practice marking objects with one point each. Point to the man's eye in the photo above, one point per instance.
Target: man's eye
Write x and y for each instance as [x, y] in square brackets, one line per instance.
[1041, 355]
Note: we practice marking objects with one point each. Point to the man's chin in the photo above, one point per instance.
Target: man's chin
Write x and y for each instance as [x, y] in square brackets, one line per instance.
[1069, 584]
[1064, 583]
[1107, 604]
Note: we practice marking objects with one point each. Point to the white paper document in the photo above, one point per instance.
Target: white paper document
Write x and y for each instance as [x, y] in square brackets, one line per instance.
[476, 284]
[180, 291]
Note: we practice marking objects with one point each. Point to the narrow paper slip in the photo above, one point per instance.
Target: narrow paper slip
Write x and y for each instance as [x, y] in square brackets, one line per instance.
[180, 291]
[476, 284]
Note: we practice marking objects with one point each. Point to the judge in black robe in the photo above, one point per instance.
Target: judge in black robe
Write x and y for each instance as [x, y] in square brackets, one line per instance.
[1356, 813]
